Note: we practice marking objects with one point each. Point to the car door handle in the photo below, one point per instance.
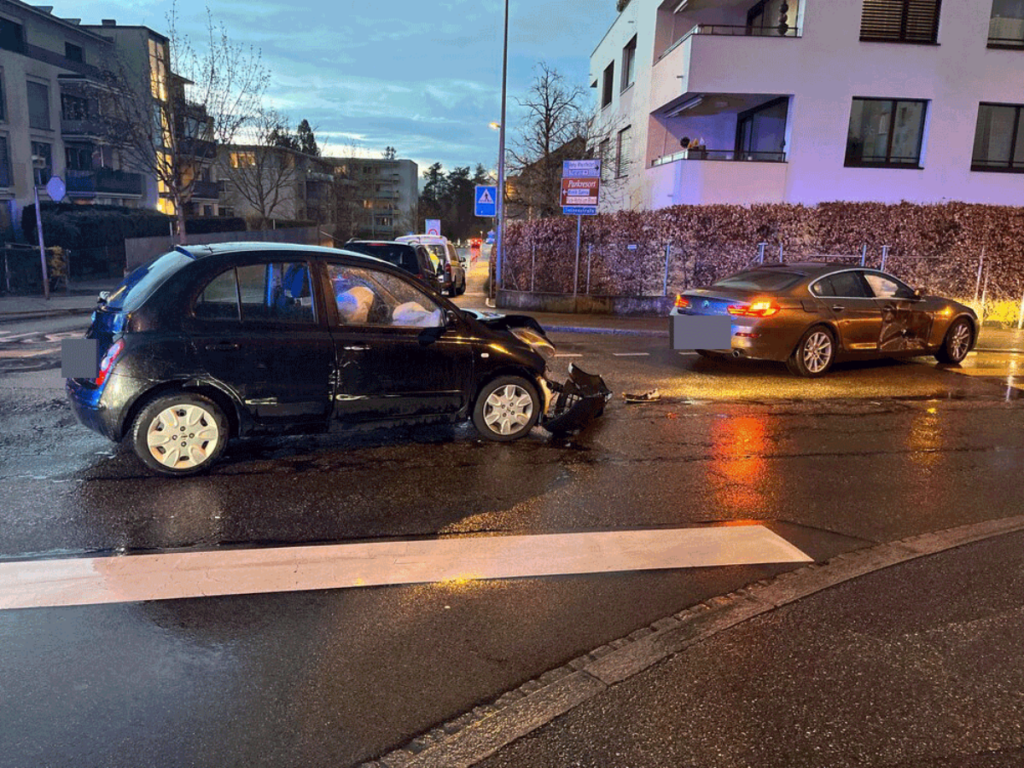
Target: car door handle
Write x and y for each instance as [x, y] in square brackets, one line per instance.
[838, 308]
[357, 348]
[223, 346]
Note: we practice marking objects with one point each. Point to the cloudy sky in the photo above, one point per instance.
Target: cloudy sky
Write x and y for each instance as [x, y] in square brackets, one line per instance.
[423, 76]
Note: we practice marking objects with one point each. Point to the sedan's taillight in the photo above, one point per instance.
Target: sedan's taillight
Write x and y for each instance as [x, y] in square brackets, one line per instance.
[757, 309]
[107, 363]
[448, 269]
[681, 302]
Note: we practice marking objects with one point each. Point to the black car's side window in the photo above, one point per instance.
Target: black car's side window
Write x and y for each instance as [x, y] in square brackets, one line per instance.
[367, 297]
[219, 299]
[278, 292]
[849, 285]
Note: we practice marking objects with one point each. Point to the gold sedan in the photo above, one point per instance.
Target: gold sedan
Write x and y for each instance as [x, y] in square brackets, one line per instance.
[809, 314]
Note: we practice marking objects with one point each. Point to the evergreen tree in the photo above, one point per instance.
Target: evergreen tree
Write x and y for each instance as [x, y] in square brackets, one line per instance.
[306, 139]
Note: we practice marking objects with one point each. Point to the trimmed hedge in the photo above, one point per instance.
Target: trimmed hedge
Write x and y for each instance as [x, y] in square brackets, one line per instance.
[289, 224]
[208, 224]
[92, 226]
[934, 246]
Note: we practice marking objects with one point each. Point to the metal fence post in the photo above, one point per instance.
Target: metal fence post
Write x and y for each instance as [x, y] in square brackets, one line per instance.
[780, 252]
[984, 293]
[533, 268]
[977, 283]
[668, 254]
[760, 252]
[864, 254]
[1020, 317]
[590, 249]
[885, 256]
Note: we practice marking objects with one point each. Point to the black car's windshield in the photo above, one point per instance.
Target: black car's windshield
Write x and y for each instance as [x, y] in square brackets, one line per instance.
[399, 254]
[759, 280]
[141, 283]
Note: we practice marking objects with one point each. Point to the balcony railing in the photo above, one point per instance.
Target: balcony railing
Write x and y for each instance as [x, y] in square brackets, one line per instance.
[105, 181]
[89, 126]
[731, 30]
[721, 154]
[206, 190]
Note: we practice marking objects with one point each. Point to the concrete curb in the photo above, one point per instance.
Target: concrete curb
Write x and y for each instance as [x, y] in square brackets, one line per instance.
[481, 732]
[18, 317]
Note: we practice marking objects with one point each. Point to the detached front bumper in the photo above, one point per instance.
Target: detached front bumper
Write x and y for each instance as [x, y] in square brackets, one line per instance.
[577, 402]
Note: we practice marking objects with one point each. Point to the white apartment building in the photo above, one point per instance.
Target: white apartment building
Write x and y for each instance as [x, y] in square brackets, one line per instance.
[808, 101]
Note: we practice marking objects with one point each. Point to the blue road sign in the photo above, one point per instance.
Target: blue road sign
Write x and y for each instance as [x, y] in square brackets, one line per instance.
[579, 210]
[486, 201]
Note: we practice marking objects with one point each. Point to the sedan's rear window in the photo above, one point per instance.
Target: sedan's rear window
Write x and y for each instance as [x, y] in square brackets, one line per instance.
[140, 284]
[402, 256]
[760, 280]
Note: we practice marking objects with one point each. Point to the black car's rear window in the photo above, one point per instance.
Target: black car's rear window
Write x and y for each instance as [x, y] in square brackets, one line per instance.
[760, 280]
[399, 254]
[140, 284]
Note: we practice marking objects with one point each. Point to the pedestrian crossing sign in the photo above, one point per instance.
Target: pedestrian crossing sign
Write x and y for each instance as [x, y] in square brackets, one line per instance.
[486, 201]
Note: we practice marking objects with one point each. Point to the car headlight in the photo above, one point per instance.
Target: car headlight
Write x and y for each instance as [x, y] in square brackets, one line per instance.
[537, 343]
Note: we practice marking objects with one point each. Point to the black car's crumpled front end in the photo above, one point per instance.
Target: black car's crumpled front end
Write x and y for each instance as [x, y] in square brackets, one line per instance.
[575, 403]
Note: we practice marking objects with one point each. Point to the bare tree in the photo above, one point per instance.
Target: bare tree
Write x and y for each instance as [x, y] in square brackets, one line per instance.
[554, 129]
[167, 115]
[262, 171]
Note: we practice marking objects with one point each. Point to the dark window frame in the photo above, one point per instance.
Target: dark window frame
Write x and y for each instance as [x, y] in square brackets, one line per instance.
[1005, 44]
[628, 64]
[608, 87]
[1013, 140]
[16, 45]
[749, 114]
[916, 165]
[904, 19]
[74, 52]
[3, 98]
[5, 162]
[49, 117]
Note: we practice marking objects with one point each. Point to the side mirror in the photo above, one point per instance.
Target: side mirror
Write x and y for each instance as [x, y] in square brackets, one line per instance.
[919, 293]
[451, 320]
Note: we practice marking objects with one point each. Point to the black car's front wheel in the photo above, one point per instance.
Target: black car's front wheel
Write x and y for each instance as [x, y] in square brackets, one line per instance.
[506, 408]
[957, 343]
[814, 354]
[180, 433]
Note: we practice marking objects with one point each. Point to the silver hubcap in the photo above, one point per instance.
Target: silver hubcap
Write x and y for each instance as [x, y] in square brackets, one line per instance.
[959, 342]
[508, 409]
[817, 351]
[183, 436]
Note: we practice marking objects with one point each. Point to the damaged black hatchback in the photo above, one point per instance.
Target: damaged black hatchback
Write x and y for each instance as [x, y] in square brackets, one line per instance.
[216, 341]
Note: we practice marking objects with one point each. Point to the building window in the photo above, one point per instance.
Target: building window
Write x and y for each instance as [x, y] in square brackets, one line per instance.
[768, 17]
[605, 155]
[1006, 27]
[73, 107]
[157, 70]
[41, 152]
[900, 21]
[78, 158]
[999, 139]
[226, 211]
[74, 53]
[5, 163]
[243, 159]
[622, 153]
[12, 36]
[3, 101]
[38, 106]
[885, 133]
[629, 64]
[761, 132]
[606, 91]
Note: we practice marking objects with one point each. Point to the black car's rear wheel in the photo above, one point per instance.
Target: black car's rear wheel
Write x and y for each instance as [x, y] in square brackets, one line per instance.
[181, 433]
[814, 354]
[506, 408]
[957, 343]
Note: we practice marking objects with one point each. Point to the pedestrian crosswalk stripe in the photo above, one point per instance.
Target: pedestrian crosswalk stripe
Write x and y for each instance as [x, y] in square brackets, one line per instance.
[133, 578]
[631, 354]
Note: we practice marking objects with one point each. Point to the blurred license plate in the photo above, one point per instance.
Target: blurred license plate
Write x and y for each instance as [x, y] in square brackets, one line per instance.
[79, 358]
[701, 332]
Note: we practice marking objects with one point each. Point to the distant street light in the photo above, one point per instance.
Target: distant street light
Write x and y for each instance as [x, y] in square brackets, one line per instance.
[495, 125]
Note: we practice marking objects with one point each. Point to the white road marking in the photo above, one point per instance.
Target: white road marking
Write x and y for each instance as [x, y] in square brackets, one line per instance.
[566, 354]
[631, 354]
[687, 353]
[99, 580]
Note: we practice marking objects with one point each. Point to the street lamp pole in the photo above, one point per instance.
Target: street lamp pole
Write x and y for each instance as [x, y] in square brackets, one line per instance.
[500, 237]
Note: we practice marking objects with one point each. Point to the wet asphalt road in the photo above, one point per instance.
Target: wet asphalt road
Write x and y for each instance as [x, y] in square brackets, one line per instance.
[872, 453]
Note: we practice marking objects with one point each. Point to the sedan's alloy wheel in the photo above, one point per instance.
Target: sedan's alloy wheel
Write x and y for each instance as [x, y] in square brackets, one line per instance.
[817, 351]
[960, 341]
[183, 437]
[508, 410]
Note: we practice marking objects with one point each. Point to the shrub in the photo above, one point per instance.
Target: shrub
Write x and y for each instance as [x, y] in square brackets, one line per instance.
[205, 226]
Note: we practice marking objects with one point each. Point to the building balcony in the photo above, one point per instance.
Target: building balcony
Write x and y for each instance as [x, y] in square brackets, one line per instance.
[727, 59]
[706, 183]
[200, 148]
[89, 128]
[85, 184]
[206, 190]
[721, 155]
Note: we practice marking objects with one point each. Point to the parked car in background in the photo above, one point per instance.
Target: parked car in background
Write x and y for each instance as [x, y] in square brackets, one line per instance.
[416, 259]
[211, 342]
[453, 271]
[810, 314]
